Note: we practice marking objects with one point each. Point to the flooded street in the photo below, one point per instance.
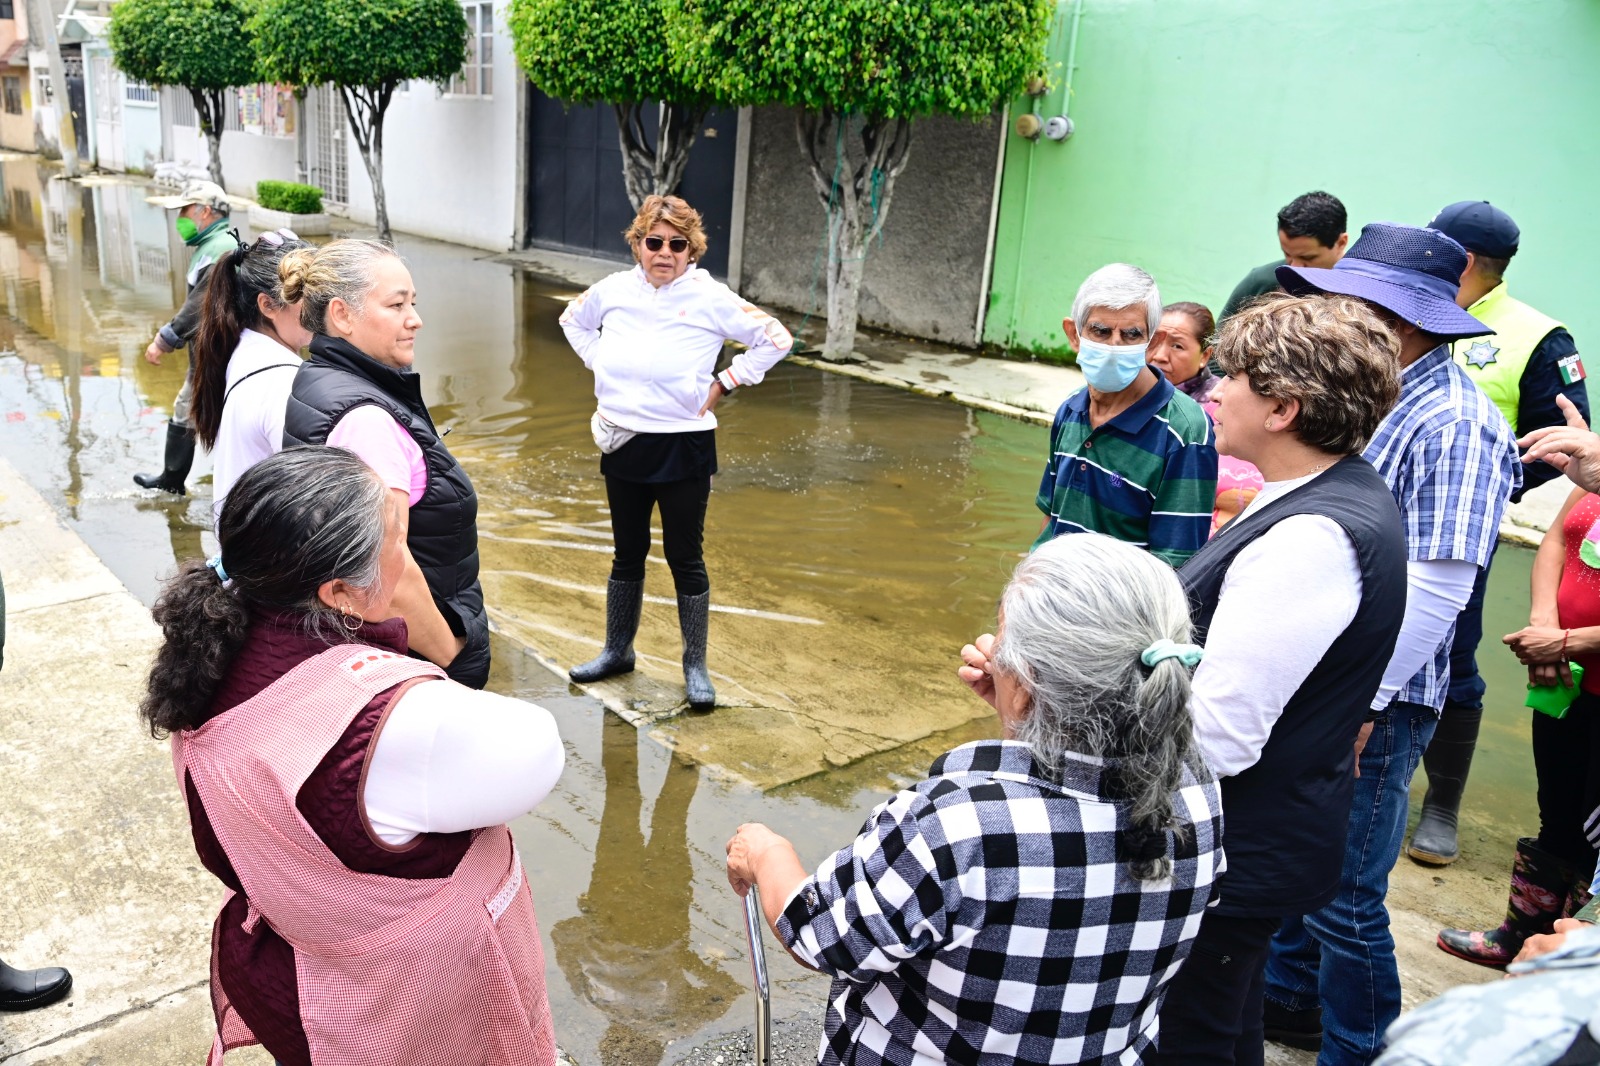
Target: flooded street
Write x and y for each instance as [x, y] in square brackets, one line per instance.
[857, 536]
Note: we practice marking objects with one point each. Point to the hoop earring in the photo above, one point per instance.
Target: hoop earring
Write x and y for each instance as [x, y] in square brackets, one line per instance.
[345, 616]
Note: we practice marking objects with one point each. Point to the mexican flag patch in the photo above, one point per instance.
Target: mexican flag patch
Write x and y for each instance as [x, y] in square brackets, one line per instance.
[1571, 369]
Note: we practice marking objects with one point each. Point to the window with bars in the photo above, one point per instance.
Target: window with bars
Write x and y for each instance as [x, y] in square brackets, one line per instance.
[7, 9]
[477, 75]
[11, 90]
[137, 92]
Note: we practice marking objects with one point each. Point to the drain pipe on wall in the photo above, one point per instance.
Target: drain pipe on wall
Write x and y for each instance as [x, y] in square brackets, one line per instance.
[994, 220]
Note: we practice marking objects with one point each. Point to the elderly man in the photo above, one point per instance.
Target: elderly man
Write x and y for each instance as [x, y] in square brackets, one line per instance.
[1529, 362]
[202, 222]
[1451, 461]
[1130, 456]
[1311, 233]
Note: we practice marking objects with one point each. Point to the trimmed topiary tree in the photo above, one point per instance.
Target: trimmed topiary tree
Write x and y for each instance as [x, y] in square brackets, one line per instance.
[612, 51]
[859, 71]
[203, 46]
[366, 49]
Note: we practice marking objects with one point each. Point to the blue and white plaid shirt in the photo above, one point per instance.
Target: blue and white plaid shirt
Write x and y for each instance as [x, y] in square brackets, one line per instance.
[1452, 463]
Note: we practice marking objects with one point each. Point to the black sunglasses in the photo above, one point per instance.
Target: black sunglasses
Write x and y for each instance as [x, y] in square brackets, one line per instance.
[679, 245]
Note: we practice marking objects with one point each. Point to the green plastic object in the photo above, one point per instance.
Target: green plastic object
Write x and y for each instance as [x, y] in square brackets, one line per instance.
[1555, 700]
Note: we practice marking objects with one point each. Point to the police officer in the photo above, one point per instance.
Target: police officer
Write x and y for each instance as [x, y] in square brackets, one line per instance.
[1529, 361]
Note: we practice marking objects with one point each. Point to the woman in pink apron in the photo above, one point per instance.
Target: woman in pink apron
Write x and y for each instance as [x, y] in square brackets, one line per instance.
[351, 799]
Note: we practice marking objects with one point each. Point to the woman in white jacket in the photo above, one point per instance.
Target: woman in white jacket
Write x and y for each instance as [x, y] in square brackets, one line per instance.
[653, 335]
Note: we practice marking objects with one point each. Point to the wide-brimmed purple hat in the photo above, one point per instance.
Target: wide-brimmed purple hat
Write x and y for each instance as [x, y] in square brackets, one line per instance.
[1409, 270]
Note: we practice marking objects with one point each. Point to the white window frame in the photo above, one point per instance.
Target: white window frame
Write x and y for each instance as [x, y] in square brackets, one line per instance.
[139, 94]
[479, 67]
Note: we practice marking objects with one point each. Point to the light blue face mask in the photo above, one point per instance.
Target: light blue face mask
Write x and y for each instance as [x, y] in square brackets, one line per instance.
[1110, 367]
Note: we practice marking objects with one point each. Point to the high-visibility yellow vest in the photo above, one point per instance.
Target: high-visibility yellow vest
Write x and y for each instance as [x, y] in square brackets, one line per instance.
[1496, 363]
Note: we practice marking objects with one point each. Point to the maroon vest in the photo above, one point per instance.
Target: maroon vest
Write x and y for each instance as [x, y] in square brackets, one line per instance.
[257, 969]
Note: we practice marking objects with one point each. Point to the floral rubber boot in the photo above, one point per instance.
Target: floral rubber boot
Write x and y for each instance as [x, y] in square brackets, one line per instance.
[1540, 883]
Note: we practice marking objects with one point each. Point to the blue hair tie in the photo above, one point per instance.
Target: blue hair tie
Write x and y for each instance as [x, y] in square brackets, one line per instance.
[1189, 654]
[215, 562]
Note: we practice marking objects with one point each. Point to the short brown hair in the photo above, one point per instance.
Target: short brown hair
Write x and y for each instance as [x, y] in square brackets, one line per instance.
[675, 212]
[1331, 353]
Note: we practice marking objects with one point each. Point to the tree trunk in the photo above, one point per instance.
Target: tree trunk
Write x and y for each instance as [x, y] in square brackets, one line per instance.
[655, 169]
[208, 111]
[855, 186]
[365, 105]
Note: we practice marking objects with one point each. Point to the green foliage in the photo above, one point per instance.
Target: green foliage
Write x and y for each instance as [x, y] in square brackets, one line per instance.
[196, 44]
[369, 43]
[289, 196]
[587, 51]
[876, 58]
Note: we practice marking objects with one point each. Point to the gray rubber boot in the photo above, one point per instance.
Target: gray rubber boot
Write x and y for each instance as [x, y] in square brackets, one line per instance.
[175, 470]
[1447, 761]
[694, 619]
[623, 601]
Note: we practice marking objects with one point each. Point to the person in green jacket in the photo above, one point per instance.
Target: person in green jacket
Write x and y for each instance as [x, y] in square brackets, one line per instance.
[202, 222]
[1311, 233]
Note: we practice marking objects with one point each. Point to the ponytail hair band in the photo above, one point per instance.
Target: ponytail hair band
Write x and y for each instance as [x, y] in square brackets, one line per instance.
[215, 563]
[1189, 654]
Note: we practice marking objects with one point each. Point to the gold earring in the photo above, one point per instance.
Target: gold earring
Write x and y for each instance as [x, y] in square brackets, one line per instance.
[1270, 423]
[345, 616]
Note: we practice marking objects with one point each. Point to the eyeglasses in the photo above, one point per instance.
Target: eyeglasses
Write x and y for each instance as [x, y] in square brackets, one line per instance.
[679, 245]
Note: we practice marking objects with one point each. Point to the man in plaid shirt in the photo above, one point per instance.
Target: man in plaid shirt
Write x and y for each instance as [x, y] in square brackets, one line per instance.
[1451, 461]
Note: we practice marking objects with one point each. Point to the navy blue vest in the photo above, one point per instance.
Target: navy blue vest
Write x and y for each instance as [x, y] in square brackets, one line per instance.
[443, 535]
[1284, 818]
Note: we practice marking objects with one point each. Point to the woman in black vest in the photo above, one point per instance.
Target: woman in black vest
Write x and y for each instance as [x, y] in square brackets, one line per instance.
[358, 391]
[1298, 602]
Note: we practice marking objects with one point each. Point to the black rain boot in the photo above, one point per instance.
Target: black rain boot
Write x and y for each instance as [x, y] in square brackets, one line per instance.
[180, 457]
[694, 619]
[623, 602]
[1447, 760]
[28, 989]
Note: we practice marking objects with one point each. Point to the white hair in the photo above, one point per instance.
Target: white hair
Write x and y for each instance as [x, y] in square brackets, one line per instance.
[1115, 286]
[1078, 613]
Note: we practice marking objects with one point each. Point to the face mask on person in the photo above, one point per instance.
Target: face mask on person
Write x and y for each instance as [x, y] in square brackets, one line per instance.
[1110, 367]
[186, 229]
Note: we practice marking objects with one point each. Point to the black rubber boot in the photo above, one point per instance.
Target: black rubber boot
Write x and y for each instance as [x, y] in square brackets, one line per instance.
[694, 619]
[180, 457]
[1447, 760]
[623, 602]
[30, 989]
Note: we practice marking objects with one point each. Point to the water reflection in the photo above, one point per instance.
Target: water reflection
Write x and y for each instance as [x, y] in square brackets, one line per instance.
[627, 951]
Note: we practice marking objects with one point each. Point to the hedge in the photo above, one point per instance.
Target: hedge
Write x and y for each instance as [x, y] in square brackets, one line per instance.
[289, 196]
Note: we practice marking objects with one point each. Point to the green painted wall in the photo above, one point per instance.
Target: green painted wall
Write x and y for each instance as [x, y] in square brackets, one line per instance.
[1198, 119]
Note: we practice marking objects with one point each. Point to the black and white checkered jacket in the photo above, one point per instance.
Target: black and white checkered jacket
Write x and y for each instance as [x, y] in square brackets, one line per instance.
[983, 917]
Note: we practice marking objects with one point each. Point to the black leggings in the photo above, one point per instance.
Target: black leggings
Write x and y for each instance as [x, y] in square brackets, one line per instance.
[683, 525]
[1566, 760]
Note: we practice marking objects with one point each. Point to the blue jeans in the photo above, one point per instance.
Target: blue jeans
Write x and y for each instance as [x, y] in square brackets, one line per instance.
[1343, 955]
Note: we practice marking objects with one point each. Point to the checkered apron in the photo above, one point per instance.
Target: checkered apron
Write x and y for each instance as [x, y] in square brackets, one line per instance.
[422, 972]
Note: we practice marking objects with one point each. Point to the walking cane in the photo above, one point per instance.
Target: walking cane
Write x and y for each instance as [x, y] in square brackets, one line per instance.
[753, 922]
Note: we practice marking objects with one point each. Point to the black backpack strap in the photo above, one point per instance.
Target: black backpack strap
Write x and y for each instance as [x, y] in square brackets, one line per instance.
[253, 373]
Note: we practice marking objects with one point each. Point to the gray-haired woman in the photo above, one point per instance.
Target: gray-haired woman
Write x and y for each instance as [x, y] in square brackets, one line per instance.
[1029, 901]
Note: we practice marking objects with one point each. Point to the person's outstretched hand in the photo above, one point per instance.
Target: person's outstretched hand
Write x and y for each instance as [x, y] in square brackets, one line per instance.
[1572, 449]
[1545, 943]
[975, 668]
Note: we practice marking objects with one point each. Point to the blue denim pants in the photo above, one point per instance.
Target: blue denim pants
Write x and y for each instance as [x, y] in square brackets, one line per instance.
[1343, 955]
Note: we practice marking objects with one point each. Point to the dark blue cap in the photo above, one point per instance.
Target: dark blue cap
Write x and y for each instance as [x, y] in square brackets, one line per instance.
[1479, 227]
[1408, 270]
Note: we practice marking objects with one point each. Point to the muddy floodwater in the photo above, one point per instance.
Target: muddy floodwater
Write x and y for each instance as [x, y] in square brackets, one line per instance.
[857, 536]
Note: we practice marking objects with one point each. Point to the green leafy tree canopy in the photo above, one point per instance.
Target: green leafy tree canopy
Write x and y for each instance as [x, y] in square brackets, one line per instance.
[596, 51]
[369, 43]
[893, 59]
[196, 44]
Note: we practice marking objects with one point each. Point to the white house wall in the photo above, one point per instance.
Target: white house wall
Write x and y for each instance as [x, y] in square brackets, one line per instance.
[450, 162]
[246, 157]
